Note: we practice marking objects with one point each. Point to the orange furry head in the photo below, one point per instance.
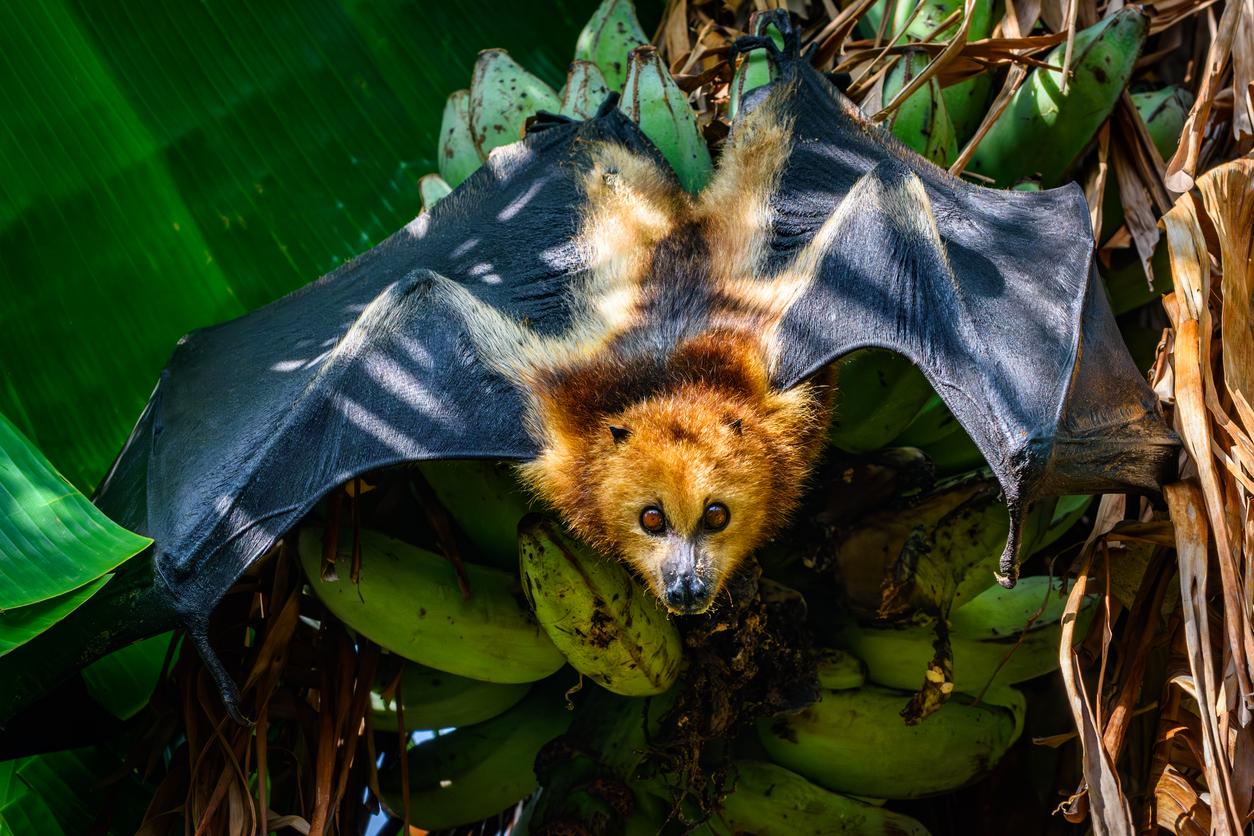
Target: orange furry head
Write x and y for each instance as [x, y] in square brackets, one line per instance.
[684, 483]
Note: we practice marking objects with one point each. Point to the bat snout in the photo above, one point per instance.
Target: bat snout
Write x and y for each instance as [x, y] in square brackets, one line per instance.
[684, 589]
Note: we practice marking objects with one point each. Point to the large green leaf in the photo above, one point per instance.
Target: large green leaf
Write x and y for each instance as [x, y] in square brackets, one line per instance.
[52, 540]
[21, 624]
[165, 166]
[124, 680]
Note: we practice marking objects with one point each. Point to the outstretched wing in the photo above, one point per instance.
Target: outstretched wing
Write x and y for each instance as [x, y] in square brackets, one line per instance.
[992, 294]
[256, 419]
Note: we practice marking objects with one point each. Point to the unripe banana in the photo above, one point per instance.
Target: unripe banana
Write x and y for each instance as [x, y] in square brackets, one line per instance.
[936, 432]
[457, 157]
[877, 395]
[486, 500]
[839, 670]
[1057, 126]
[611, 33]
[471, 773]
[921, 121]
[755, 69]
[407, 600]
[437, 700]
[433, 189]
[856, 742]
[584, 91]
[655, 103]
[502, 96]
[1163, 112]
[981, 634]
[769, 800]
[608, 627]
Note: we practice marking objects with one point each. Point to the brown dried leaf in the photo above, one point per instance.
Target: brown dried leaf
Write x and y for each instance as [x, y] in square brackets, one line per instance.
[1183, 164]
[1177, 806]
[1188, 511]
[1228, 193]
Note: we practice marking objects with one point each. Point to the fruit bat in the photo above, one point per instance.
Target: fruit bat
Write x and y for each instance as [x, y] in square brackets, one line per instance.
[653, 358]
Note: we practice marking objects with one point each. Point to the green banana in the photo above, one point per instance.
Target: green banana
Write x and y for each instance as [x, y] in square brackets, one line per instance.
[935, 554]
[584, 91]
[755, 69]
[456, 155]
[437, 700]
[769, 800]
[1057, 126]
[839, 670]
[936, 432]
[475, 771]
[1163, 112]
[611, 33]
[856, 742]
[433, 189]
[502, 96]
[655, 103]
[921, 121]
[486, 500]
[608, 627]
[981, 633]
[877, 394]
[407, 600]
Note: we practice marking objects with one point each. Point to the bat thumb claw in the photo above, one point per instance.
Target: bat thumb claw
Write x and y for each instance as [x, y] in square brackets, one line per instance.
[1008, 567]
[198, 632]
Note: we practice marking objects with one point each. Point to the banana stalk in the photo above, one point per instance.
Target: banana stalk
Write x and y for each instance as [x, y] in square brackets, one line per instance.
[606, 625]
[407, 600]
[855, 742]
[655, 103]
[1044, 129]
[611, 33]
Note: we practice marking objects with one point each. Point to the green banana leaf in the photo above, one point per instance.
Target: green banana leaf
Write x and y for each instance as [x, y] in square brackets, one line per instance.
[124, 680]
[56, 548]
[166, 166]
[21, 624]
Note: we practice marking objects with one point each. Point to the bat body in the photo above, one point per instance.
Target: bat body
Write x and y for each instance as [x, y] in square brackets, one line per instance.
[650, 356]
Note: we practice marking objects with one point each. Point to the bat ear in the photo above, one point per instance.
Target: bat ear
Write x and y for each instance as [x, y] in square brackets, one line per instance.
[620, 434]
[736, 425]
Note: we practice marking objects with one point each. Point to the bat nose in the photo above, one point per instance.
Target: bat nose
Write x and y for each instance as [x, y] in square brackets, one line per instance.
[687, 593]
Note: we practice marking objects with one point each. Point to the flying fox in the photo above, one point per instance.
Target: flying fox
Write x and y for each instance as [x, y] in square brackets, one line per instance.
[653, 359]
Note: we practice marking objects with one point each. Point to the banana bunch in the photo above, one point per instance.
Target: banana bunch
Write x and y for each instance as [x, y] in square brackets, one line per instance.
[655, 103]
[431, 699]
[1056, 124]
[476, 771]
[407, 600]
[854, 741]
[603, 621]
[754, 69]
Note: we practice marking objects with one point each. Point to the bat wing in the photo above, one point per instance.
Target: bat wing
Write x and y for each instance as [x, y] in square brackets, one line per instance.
[256, 419]
[992, 294]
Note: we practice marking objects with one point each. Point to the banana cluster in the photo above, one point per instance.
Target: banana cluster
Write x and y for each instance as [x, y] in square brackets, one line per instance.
[921, 621]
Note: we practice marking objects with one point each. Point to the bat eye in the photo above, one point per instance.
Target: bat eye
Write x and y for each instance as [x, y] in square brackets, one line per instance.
[653, 520]
[716, 516]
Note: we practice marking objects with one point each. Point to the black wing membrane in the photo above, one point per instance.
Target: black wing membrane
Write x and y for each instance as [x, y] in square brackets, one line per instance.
[254, 420]
[992, 294]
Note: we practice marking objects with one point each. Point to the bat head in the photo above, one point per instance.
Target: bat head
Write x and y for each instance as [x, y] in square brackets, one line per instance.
[685, 485]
